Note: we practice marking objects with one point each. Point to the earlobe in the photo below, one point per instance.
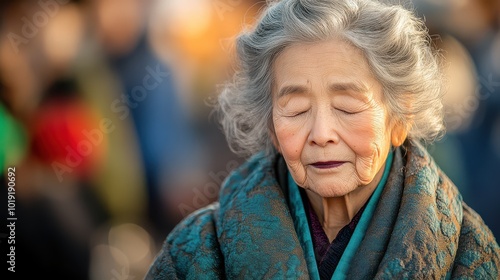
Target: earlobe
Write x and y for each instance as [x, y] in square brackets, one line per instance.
[399, 134]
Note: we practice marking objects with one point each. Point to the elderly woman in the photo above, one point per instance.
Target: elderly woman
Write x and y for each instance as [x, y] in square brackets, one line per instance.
[332, 99]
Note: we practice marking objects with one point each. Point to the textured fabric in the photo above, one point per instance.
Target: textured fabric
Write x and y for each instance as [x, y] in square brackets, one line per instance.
[420, 229]
[301, 227]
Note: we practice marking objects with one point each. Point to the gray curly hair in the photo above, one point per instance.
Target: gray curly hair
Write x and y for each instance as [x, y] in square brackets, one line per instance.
[394, 41]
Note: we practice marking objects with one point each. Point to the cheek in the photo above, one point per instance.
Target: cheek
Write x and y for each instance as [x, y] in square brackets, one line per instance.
[364, 136]
[289, 140]
[368, 140]
[365, 146]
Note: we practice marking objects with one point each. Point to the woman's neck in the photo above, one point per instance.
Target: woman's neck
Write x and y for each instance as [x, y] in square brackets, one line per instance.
[336, 212]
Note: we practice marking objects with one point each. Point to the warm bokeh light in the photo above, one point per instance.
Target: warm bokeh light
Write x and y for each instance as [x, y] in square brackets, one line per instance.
[132, 240]
[186, 18]
[109, 263]
[199, 39]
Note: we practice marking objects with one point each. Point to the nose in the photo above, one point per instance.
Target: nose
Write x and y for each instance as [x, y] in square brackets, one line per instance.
[323, 129]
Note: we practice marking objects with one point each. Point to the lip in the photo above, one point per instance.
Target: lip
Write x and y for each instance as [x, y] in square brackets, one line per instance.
[327, 164]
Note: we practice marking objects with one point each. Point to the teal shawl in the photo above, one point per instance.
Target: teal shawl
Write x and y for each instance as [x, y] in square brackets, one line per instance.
[420, 229]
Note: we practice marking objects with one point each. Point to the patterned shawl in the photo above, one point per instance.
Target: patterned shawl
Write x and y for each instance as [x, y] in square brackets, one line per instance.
[420, 229]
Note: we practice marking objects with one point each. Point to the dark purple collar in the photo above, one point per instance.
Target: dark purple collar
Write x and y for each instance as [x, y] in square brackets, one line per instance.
[328, 254]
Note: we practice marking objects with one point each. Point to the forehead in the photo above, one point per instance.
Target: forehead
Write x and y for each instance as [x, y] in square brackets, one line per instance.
[334, 60]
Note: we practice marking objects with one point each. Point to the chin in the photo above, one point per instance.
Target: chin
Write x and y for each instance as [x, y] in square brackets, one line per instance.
[331, 189]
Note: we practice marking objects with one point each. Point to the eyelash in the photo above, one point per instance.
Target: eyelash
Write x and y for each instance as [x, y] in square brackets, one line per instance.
[298, 114]
[340, 110]
[346, 112]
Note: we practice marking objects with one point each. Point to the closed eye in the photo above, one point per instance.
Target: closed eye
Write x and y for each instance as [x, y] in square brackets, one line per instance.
[346, 112]
[298, 114]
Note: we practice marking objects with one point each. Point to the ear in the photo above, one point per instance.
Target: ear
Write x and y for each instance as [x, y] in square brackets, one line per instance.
[401, 127]
[399, 134]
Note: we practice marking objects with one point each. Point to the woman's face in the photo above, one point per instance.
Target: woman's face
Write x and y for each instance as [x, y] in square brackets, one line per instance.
[330, 120]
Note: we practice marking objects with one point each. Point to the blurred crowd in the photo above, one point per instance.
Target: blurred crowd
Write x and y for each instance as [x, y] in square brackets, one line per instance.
[105, 113]
[469, 43]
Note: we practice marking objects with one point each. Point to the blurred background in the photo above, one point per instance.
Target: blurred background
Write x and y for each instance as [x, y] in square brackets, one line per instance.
[105, 114]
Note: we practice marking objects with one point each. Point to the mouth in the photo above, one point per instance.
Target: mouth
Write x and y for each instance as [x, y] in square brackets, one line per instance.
[327, 164]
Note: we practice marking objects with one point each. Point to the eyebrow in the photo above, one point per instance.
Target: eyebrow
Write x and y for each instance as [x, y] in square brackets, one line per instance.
[292, 89]
[334, 87]
[355, 87]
